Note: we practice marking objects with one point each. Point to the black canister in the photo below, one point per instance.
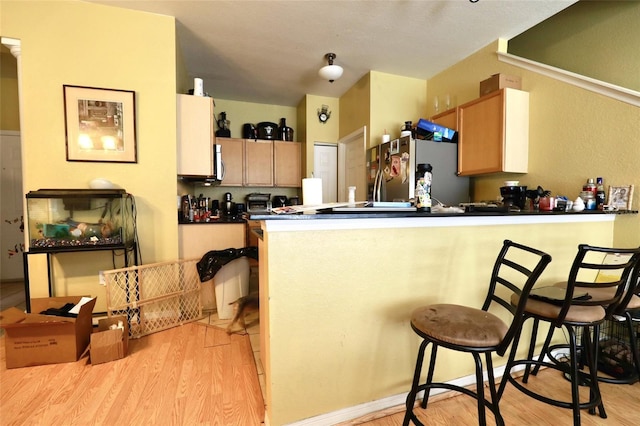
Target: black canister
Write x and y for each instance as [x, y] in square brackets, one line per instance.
[249, 131]
[267, 130]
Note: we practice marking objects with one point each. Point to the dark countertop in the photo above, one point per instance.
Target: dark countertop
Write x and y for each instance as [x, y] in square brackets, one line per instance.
[387, 215]
[223, 220]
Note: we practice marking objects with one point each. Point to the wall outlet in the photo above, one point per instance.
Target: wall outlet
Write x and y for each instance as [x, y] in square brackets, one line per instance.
[101, 278]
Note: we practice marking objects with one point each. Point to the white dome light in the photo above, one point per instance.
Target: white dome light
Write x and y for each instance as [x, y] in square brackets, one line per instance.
[330, 72]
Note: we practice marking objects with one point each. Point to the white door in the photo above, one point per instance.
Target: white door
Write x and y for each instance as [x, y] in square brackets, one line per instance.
[12, 237]
[351, 165]
[325, 166]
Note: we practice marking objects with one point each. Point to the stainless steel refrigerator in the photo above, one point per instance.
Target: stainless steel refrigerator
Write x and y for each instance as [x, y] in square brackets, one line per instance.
[391, 171]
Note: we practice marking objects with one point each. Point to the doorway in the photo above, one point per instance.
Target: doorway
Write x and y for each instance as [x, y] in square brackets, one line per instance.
[351, 164]
[325, 166]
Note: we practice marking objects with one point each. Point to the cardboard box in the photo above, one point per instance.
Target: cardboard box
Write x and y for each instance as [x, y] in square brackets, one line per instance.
[36, 339]
[109, 344]
[500, 81]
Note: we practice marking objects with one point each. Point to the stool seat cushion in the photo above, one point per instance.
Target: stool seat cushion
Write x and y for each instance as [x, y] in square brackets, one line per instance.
[459, 325]
[577, 314]
[604, 293]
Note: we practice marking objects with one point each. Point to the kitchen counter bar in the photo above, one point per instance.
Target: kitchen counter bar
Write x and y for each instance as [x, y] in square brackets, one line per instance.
[404, 214]
[336, 293]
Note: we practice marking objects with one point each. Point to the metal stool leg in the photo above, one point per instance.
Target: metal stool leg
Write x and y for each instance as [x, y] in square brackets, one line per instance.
[432, 365]
[411, 397]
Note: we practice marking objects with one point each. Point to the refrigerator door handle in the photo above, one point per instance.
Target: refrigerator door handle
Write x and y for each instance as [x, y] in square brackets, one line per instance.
[377, 183]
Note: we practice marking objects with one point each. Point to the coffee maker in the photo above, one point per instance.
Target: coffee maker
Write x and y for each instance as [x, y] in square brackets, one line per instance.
[514, 196]
[228, 206]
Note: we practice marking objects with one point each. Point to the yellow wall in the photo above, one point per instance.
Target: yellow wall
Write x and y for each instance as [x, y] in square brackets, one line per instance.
[574, 134]
[9, 117]
[394, 100]
[316, 131]
[355, 107]
[61, 44]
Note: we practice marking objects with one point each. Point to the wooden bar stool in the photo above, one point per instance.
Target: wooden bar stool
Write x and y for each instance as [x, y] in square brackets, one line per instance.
[476, 331]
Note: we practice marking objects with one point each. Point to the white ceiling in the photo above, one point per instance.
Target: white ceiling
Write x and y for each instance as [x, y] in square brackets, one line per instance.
[269, 51]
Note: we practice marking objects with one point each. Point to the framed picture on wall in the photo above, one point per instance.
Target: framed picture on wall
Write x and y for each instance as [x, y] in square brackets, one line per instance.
[100, 124]
[620, 197]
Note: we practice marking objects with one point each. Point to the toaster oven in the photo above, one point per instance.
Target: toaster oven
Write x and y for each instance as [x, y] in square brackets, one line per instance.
[258, 203]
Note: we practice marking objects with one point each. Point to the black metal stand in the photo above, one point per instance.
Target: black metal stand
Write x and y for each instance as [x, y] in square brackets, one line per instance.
[127, 248]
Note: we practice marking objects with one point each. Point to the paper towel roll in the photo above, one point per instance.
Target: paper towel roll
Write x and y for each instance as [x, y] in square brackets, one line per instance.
[198, 87]
[311, 191]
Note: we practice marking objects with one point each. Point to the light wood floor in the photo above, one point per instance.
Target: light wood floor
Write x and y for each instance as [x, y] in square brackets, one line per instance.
[622, 404]
[196, 374]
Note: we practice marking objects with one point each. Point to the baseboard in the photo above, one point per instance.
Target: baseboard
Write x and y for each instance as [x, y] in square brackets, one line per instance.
[389, 405]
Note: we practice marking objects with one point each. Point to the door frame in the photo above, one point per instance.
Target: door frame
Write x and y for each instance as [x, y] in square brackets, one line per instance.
[353, 137]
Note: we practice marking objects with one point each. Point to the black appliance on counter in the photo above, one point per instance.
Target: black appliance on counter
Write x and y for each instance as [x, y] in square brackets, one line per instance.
[228, 206]
[514, 196]
[257, 203]
[279, 201]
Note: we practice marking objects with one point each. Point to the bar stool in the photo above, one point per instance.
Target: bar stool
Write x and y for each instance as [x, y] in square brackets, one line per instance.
[476, 331]
[629, 303]
[570, 313]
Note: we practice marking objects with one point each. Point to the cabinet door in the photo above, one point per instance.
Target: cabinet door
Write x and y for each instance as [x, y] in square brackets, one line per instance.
[232, 160]
[258, 162]
[494, 133]
[448, 119]
[287, 164]
[195, 135]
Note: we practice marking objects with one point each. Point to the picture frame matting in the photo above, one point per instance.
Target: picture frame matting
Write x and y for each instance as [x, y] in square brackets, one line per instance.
[100, 124]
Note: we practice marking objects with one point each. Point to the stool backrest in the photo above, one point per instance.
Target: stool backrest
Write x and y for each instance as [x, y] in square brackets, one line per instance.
[632, 289]
[620, 275]
[516, 270]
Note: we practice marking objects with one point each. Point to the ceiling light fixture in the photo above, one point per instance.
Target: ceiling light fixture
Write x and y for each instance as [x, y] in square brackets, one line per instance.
[330, 72]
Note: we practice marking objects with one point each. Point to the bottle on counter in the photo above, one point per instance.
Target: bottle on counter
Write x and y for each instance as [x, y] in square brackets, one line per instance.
[589, 200]
[600, 195]
[591, 187]
[424, 178]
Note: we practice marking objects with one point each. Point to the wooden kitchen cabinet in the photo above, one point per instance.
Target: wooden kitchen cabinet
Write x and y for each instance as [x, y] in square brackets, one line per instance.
[494, 133]
[232, 160]
[448, 118]
[258, 162]
[195, 135]
[266, 163]
[287, 164]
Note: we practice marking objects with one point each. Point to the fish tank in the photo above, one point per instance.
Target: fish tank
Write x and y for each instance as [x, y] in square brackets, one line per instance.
[79, 219]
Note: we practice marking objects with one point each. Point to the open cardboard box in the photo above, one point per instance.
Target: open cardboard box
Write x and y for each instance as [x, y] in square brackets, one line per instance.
[109, 344]
[36, 339]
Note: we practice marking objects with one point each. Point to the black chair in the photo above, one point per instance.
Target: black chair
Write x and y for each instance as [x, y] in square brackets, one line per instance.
[623, 313]
[571, 312]
[476, 331]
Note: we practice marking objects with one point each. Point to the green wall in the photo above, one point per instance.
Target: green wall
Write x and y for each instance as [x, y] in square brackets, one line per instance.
[598, 39]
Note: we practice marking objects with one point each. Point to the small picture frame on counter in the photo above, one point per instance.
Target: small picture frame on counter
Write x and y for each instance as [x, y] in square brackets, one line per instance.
[620, 197]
